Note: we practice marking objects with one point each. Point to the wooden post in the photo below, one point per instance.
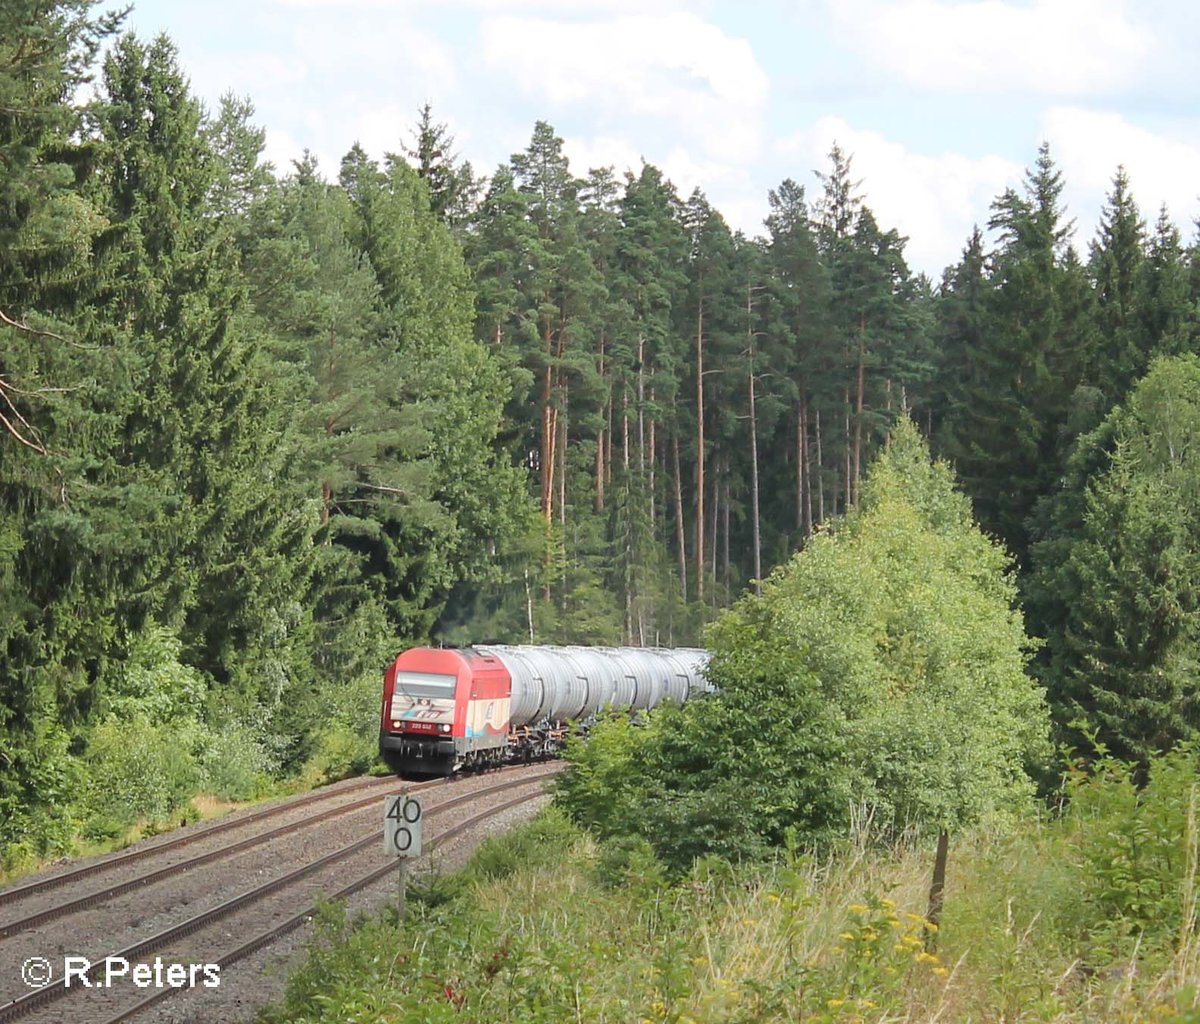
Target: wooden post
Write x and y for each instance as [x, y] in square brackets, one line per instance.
[937, 891]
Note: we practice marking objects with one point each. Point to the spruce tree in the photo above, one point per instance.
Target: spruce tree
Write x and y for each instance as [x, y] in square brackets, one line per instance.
[1119, 574]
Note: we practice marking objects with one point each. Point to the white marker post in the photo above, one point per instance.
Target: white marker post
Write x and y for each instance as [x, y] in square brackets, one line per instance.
[402, 835]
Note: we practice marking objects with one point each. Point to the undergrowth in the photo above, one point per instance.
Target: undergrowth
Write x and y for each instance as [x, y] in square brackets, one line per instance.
[1084, 917]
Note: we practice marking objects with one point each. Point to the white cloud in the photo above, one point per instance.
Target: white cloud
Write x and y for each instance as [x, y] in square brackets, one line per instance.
[934, 200]
[1054, 47]
[397, 52]
[557, 7]
[728, 187]
[675, 70]
[601, 151]
[1088, 145]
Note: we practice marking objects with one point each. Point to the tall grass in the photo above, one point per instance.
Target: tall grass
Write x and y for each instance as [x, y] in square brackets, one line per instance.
[1088, 916]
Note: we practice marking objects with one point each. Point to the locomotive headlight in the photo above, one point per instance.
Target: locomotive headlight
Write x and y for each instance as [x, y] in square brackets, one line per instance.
[395, 725]
[445, 728]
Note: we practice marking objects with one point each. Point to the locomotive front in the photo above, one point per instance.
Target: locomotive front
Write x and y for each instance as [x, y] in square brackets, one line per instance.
[442, 709]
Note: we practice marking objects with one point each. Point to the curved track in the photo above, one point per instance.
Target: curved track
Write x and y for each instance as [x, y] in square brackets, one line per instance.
[265, 911]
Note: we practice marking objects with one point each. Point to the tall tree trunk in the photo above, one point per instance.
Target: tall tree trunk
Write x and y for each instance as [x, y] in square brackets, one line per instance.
[679, 530]
[718, 470]
[820, 474]
[650, 497]
[700, 448]
[625, 435]
[887, 440]
[562, 459]
[800, 465]
[725, 524]
[608, 442]
[599, 471]
[858, 402]
[849, 454]
[757, 538]
[549, 418]
[808, 502]
[641, 408]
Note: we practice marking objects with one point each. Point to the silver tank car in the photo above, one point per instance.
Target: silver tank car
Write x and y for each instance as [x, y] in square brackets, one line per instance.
[565, 683]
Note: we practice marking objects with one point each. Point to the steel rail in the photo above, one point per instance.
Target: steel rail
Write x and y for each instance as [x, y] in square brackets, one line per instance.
[18, 892]
[172, 870]
[296, 920]
[30, 1001]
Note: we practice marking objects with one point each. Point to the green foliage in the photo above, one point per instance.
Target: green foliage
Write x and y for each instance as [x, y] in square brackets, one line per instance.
[1038, 925]
[348, 741]
[151, 683]
[137, 769]
[1136, 848]
[1118, 573]
[234, 762]
[882, 672]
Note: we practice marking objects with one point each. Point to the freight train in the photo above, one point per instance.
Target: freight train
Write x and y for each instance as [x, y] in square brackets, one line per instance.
[446, 709]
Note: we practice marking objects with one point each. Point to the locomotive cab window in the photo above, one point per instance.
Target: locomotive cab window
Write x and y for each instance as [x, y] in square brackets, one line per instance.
[425, 684]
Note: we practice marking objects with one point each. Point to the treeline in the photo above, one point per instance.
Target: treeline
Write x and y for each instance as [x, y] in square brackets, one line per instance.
[248, 443]
[258, 430]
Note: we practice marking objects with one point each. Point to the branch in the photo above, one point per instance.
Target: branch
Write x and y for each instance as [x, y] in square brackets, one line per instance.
[5, 318]
[379, 487]
[18, 326]
[8, 425]
[33, 440]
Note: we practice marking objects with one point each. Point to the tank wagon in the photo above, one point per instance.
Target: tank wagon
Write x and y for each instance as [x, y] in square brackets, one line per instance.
[451, 708]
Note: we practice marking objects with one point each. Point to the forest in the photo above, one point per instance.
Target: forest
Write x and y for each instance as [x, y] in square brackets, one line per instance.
[260, 429]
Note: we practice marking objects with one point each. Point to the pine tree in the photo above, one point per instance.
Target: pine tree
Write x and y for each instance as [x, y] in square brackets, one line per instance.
[1004, 427]
[50, 625]
[452, 186]
[200, 422]
[1121, 574]
[1164, 308]
[1120, 349]
[800, 297]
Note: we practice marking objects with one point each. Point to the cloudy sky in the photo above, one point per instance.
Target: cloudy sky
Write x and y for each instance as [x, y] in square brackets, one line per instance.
[941, 102]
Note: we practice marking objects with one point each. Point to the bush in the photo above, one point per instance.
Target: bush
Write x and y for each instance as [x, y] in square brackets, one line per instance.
[233, 763]
[137, 770]
[883, 669]
[349, 743]
[1136, 853]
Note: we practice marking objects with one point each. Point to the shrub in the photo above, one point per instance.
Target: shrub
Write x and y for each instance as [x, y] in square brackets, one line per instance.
[137, 769]
[233, 762]
[1136, 853]
[882, 668]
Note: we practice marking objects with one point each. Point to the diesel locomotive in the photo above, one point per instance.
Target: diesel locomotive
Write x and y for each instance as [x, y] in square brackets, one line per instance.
[446, 709]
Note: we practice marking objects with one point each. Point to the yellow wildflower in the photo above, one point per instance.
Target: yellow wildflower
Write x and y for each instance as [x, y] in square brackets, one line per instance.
[857, 908]
[926, 958]
[833, 1004]
[941, 971]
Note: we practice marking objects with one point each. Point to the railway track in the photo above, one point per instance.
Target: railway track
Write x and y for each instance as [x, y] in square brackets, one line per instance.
[185, 838]
[17, 925]
[265, 911]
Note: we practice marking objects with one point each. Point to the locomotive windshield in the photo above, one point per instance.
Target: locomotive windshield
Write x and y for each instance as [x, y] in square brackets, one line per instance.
[425, 684]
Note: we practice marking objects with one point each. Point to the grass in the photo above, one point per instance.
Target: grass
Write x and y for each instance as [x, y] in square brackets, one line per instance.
[201, 807]
[547, 926]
